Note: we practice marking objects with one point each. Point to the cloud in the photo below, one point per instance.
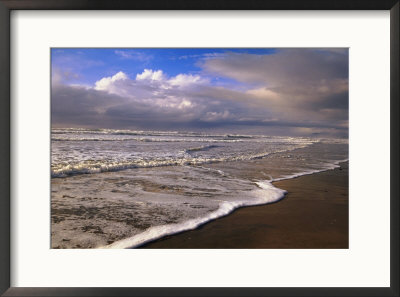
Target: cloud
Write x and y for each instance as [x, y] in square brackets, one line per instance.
[149, 74]
[213, 116]
[204, 56]
[106, 83]
[133, 55]
[184, 80]
[290, 92]
[151, 98]
[60, 76]
[118, 100]
[289, 66]
[80, 106]
[300, 85]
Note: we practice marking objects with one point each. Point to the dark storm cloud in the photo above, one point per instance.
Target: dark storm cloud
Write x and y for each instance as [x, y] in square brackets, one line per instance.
[296, 85]
[287, 66]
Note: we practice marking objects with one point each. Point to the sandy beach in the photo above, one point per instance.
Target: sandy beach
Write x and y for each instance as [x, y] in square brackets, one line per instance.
[313, 214]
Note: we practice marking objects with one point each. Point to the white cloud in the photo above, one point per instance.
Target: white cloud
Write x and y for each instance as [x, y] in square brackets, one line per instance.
[184, 80]
[155, 92]
[185, 104]
[153, 85]
[106, 83]
[149, 74]
[133, 55]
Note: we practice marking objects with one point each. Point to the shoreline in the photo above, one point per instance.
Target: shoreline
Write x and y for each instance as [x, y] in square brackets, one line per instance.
[313, 214]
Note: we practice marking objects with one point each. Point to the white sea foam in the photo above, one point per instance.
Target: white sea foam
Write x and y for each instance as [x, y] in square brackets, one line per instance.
[99, 167]
[142, 139]
[200, 148]
[266, 193]
[328, 166]
[91, 167]
[80, 134]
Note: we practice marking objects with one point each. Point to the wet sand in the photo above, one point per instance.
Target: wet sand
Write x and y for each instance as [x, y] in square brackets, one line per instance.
[313, 214]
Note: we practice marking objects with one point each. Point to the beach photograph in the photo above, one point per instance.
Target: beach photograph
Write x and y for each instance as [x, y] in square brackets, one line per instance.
[199, 148]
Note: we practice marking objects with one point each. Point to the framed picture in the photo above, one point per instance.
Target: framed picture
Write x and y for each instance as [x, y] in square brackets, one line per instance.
[213, 148]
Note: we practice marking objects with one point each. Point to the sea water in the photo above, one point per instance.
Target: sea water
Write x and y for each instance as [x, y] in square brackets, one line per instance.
[123, 188]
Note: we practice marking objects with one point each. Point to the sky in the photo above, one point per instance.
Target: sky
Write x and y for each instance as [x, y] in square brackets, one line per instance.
[287, 92]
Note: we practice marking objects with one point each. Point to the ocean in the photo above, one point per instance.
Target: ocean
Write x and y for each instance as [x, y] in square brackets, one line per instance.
[124, 188]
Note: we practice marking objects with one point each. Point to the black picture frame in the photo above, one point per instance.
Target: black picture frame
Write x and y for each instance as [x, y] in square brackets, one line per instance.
[6, 6]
